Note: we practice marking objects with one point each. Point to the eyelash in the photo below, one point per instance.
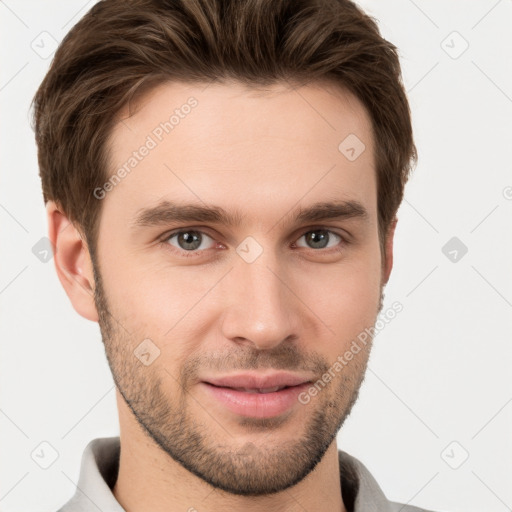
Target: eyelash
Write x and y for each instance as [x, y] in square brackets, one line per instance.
[198, 253]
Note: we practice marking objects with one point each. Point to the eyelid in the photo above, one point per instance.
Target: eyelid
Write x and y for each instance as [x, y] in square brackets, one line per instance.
[201, 229]
[344, 235]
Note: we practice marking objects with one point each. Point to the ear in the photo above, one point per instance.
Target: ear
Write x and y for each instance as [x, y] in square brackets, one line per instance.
[72, 262]
[387, 263]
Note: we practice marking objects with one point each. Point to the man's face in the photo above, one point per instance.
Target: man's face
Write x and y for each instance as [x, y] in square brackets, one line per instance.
[269, 293]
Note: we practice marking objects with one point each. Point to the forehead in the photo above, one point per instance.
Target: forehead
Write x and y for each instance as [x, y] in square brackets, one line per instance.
[232, 145]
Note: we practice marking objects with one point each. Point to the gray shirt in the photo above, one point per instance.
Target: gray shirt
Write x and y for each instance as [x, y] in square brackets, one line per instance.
[100, 464]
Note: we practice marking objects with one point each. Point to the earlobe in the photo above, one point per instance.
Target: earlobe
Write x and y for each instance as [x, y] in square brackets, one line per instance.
[388, 257]
[72, 262]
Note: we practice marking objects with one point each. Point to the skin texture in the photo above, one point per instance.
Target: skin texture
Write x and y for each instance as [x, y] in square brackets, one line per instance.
[297, 307]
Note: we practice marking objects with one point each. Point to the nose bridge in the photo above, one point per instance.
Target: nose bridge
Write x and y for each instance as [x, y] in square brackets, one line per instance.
[260, 309]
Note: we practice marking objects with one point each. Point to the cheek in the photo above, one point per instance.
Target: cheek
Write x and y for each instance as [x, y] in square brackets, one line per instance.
[345, 296]
[161, 302]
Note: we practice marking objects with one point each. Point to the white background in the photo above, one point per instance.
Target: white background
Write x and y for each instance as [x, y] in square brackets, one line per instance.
[440, 371]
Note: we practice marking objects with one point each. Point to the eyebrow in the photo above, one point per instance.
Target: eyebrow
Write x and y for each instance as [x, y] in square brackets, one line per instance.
[168, 212]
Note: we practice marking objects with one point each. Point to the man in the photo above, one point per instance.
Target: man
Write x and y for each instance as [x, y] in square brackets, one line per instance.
[222, 180]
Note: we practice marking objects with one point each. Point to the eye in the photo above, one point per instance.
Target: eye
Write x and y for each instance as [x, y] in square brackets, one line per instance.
[321, 238]
[188, 241]
[194, 242]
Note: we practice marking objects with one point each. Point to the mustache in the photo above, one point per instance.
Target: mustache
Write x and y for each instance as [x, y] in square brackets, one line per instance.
[283, 357]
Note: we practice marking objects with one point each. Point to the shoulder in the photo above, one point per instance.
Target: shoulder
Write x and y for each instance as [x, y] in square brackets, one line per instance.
[400, 507]
[363, 491]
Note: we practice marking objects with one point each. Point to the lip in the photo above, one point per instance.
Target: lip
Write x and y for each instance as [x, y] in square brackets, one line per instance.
[258, 380]
[256, 405]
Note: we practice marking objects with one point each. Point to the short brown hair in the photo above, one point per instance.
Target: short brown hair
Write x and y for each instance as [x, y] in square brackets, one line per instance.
[122, 48]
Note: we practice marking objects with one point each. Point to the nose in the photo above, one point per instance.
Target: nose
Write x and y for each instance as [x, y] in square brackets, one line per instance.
[260, 308]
